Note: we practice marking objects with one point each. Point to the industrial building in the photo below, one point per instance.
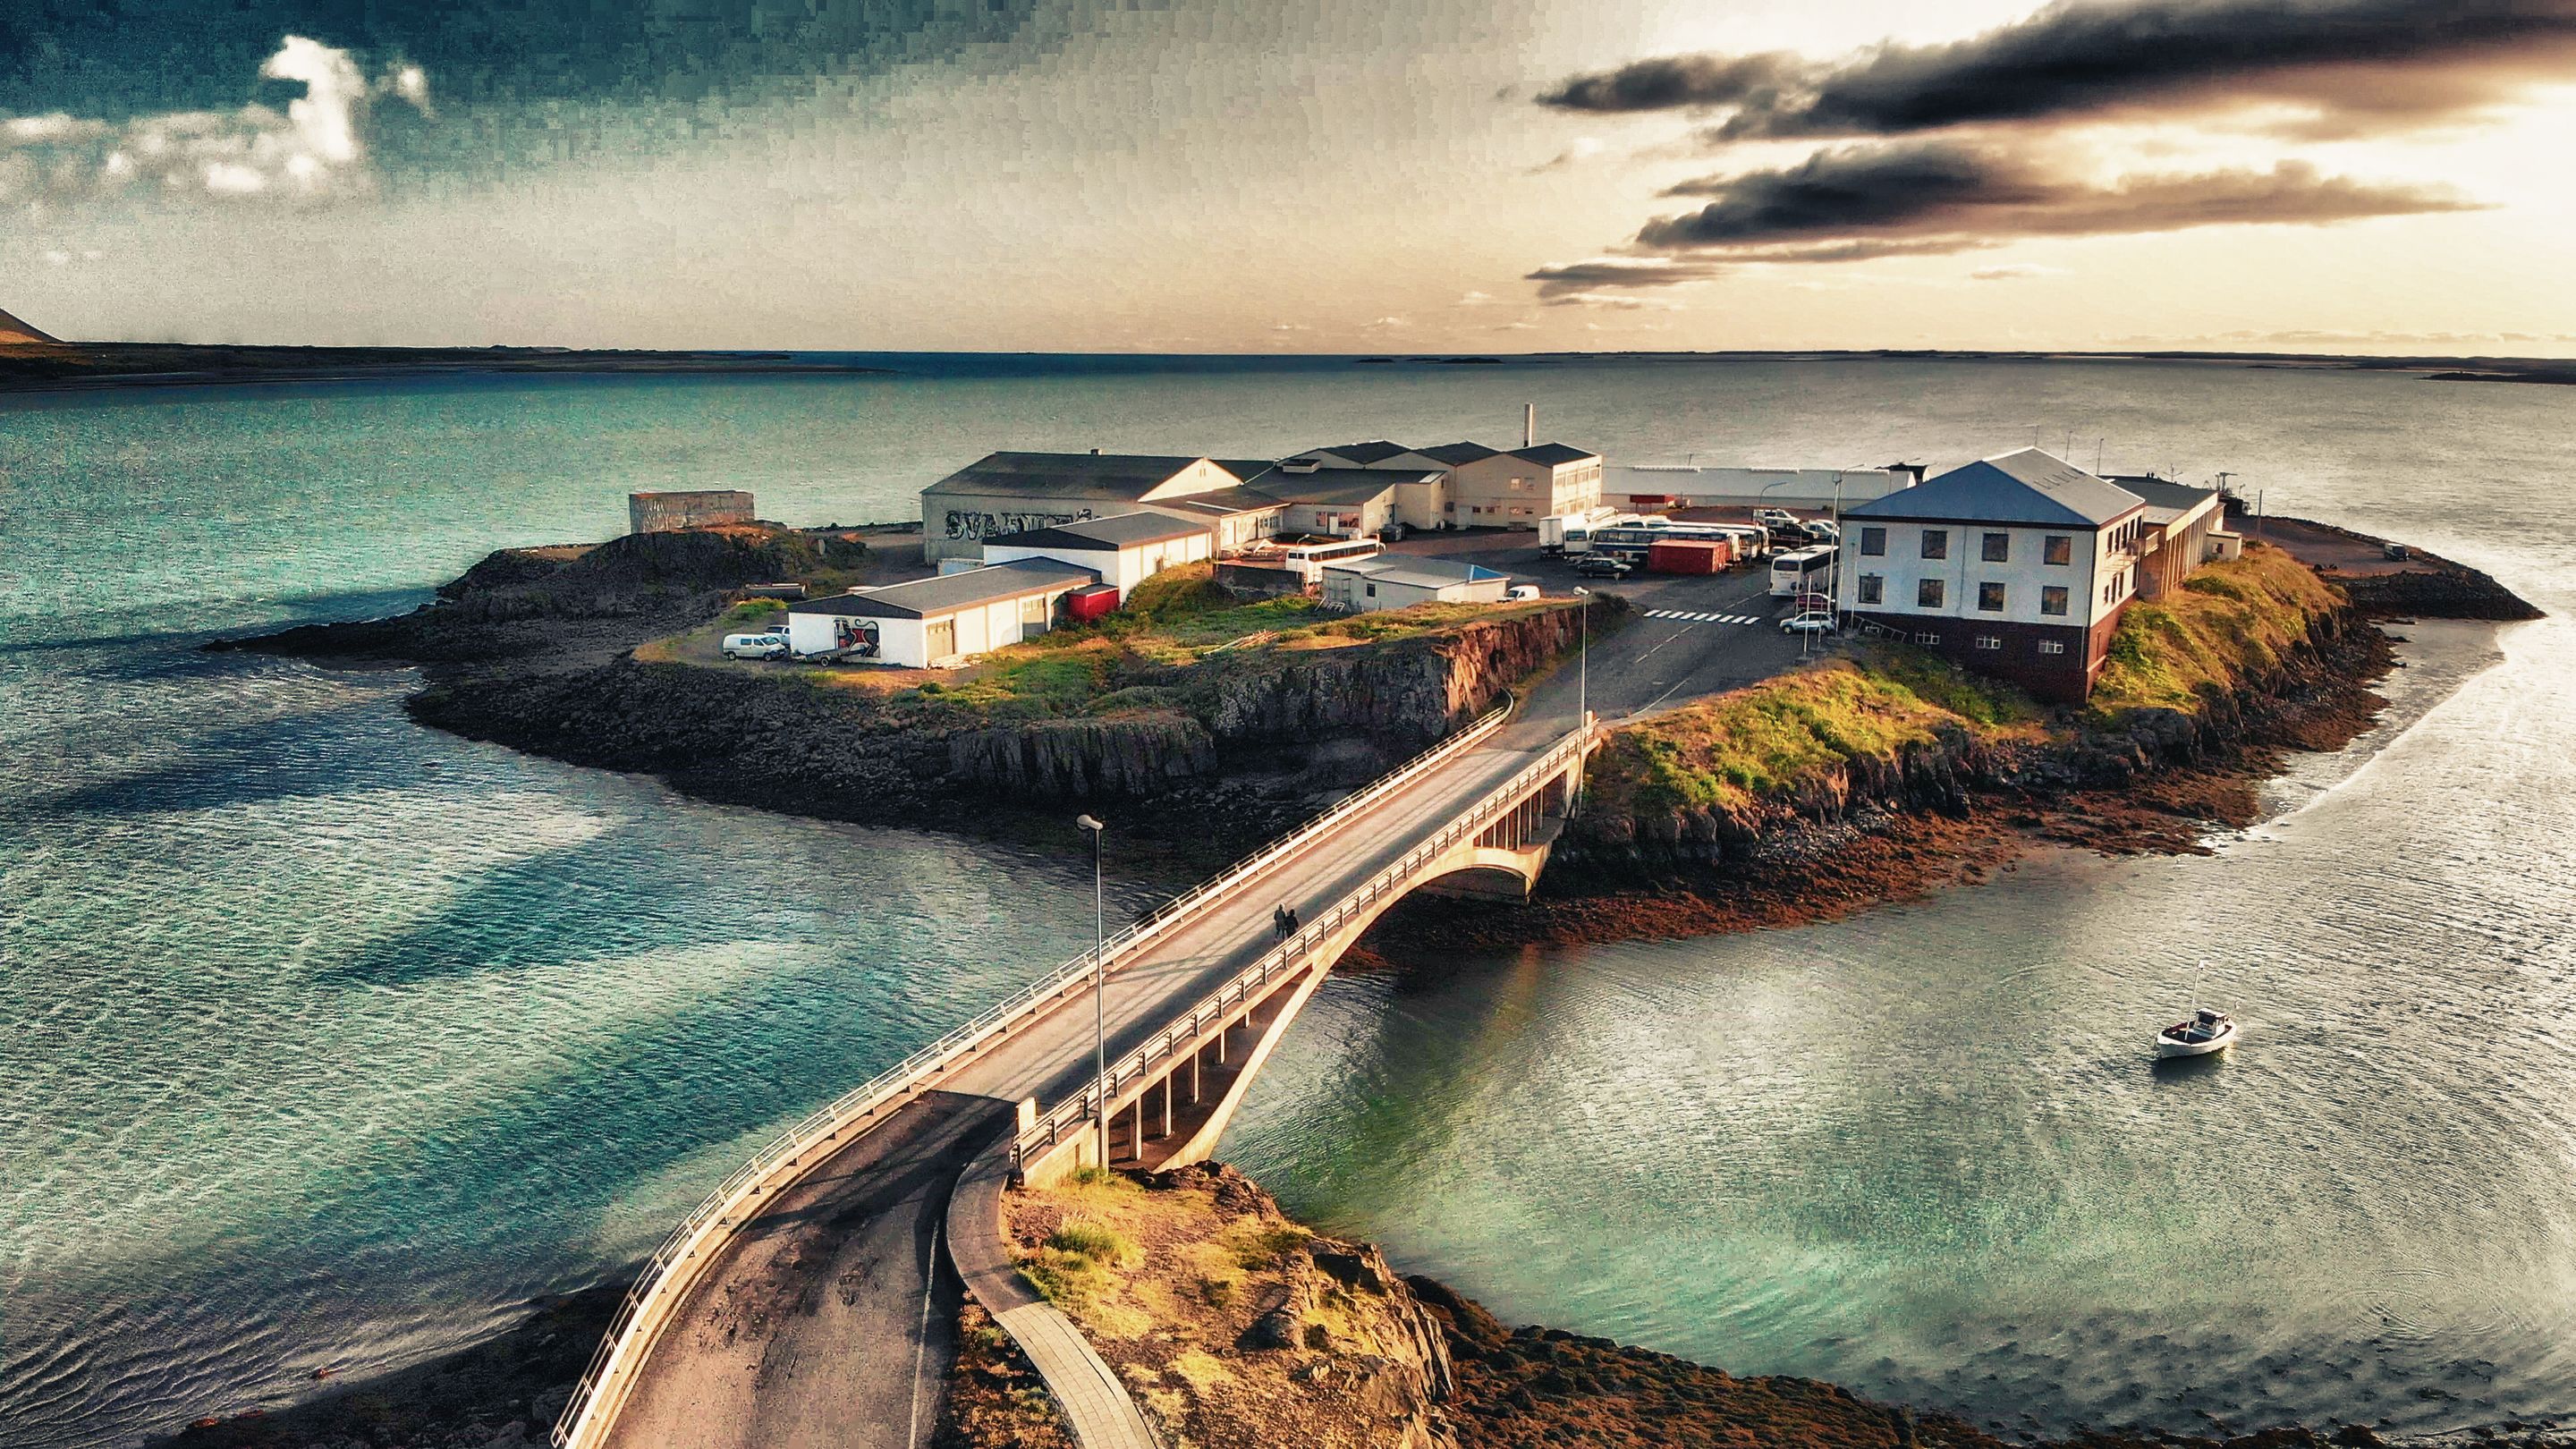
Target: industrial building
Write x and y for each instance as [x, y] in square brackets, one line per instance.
[929, 623]
[2017, 566]
[672, 512]
[1399, 581]
[1124, 549]
[1655, 487]
[1003, 493]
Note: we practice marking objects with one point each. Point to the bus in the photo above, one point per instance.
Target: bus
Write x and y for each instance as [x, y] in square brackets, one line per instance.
[1572, 532]
[1801, 571]
[1629, 541]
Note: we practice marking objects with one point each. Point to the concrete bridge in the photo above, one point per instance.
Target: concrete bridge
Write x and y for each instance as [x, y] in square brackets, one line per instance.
[802, 1303]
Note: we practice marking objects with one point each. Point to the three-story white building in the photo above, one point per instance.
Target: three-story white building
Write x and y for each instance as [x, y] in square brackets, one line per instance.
[2016, 566]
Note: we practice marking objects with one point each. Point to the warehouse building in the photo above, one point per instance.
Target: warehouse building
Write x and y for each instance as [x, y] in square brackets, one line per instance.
[1398, 581]
[2186, 527]
[1337, 502]
[1124, 549]
[933, 622]
[1014, 492]
[1518, 488]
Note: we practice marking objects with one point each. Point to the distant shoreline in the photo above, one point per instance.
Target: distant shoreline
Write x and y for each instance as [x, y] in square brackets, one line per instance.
[72, 366]
[78, 367]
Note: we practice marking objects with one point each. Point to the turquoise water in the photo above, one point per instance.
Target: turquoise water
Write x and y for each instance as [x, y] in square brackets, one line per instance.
[328, 1039]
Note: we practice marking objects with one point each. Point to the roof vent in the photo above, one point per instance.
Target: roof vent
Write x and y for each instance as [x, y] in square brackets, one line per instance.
[1302, 465]
[1095, 452]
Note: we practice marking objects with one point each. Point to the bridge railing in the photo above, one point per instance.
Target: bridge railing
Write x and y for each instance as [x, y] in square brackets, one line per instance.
[1165, 1046]
[658, 1287]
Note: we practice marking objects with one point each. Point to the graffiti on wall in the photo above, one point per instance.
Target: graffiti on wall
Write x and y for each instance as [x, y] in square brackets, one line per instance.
[858, 636]
[966, 523]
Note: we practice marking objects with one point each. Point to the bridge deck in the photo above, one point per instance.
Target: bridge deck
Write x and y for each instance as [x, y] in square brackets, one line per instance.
[813, 1327]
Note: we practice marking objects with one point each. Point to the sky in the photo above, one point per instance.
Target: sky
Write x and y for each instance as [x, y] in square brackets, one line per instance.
[2379, 176]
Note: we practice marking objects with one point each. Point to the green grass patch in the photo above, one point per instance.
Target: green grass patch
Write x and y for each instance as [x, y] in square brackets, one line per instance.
[2227, 622]
[756, 613]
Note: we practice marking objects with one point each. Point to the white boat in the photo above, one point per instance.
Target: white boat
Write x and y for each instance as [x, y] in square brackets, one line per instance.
[2203, 1033]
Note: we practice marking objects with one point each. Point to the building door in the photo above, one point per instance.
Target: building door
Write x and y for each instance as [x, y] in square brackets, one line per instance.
[939, 639]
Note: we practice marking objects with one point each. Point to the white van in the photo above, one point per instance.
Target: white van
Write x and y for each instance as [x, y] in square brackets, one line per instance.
[754, 646]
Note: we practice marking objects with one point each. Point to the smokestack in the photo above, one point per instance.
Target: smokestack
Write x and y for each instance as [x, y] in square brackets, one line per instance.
[1529, 425]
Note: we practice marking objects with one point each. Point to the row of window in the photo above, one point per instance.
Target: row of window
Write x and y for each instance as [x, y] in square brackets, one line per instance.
[1996, 641]
[2054, 548]
[1934, 594]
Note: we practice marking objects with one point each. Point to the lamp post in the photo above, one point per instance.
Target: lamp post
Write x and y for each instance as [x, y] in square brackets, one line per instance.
[1099, 987]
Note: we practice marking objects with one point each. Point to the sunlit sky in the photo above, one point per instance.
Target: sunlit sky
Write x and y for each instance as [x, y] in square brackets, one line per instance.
[1298, 175]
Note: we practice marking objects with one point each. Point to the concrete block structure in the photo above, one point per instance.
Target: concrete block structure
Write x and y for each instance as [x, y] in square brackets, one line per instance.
[2017, 566]
[671, 512]
[2186, 527]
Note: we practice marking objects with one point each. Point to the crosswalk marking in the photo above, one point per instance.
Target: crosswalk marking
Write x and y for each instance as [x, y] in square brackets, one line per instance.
[1691, 616]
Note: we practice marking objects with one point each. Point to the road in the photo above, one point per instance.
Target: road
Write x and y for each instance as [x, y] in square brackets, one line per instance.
[815, 1328]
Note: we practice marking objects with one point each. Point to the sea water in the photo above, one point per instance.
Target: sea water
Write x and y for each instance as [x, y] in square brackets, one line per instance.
[328, 1039]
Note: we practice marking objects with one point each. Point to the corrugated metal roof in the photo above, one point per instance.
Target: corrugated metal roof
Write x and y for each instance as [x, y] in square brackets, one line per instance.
[1413, 569]
[1554, 455]
[1118, 530]
[2166, 499]
[1338, 485]
[2029, 486]
[1221, 502]
[946, 594]
[1128, 476]
[1456, 454]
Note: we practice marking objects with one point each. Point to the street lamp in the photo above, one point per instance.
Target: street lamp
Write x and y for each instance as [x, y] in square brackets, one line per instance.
[1099, 988]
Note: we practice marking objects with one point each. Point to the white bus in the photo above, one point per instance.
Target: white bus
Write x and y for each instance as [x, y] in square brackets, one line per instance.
[1801, 571]
[1572, 532]
[1631, 540]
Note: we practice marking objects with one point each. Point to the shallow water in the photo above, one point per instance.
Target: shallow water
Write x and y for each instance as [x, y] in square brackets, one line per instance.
[327, 1038]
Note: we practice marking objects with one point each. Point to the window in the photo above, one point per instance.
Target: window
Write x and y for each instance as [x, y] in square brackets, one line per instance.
[1927, 593]
[1990, 598]
[1033, 612]
[2057, 548]
[2052, 600]
[1873, 589]
[2052, 646]
[1989, 641]
[1936, 543]
[1372, 591]
[1927, 638]
[1997, 548]
[1873, 542]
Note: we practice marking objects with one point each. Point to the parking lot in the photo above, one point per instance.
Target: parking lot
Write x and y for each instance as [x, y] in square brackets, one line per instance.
[1691, 635]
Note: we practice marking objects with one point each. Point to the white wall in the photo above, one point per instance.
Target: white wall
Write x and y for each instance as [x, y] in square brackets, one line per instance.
[2023, 573]
[1507, 492]
[1772, 487]
[1125, 567]
[1351, 591]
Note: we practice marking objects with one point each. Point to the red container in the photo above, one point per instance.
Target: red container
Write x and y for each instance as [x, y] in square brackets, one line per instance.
[1689, 556]
[1091, 601]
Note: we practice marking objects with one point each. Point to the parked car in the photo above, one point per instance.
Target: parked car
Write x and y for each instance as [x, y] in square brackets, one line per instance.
[1522, 593]
[754, 646]
[1600, 566]
[1821, 530]
[1813, 624]
[1775, 519]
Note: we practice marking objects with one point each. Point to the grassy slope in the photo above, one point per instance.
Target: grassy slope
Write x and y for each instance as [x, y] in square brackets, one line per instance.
[2229, 622]
[1177, 630]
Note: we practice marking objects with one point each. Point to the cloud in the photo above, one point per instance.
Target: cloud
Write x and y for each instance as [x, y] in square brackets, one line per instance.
[1477, 299]
[315, 148]
[2015, 272]
[1856, 202]
[1611, 301]
[2351, 65]
[1383, 324]
[1562, 279]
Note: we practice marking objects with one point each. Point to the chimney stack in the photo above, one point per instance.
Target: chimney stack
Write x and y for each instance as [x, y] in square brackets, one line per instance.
[1529, 425]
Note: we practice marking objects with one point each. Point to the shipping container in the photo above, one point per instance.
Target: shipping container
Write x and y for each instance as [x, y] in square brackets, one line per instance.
[1090, 602]
[1689, 556]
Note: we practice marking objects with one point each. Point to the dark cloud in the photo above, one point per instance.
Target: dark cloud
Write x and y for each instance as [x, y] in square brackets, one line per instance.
[1569, 280]
[1934, 197]
[2354, 64]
